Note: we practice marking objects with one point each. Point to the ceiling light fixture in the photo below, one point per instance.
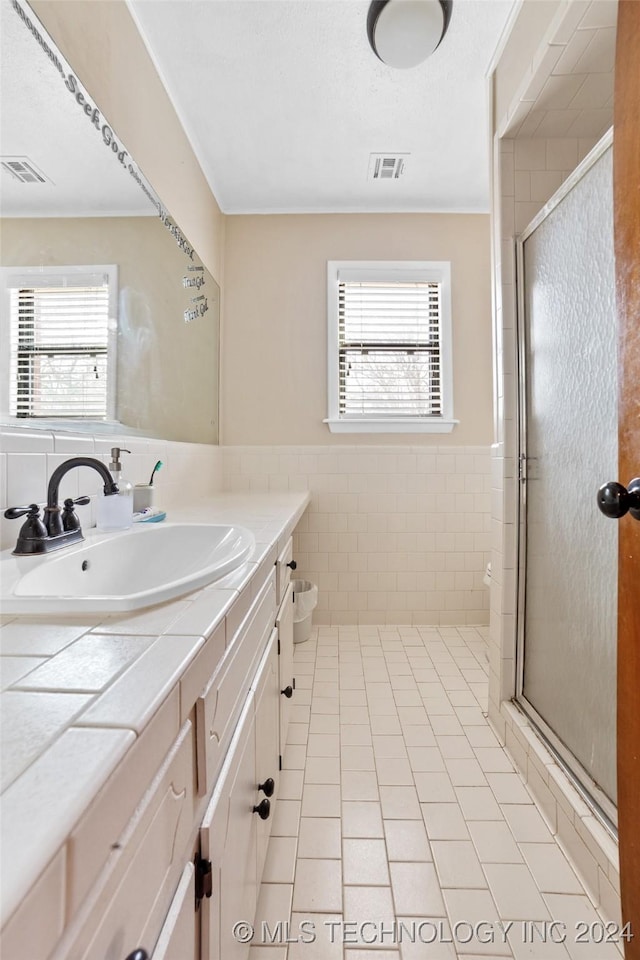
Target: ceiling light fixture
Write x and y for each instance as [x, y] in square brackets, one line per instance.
[403, 33]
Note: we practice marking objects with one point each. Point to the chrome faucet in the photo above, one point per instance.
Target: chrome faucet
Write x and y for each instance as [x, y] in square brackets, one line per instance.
[59, 527]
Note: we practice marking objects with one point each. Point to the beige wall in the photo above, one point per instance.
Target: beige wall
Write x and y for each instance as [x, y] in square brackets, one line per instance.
[275, 344]
[101, 41]
[167, 376]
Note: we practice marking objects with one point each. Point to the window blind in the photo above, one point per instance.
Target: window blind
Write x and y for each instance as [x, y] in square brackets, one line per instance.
[389, 349]
[59, 346]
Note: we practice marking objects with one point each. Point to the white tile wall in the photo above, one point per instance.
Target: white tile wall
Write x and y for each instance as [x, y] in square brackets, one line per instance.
[568, 90]
[29, 456]
[393, 534]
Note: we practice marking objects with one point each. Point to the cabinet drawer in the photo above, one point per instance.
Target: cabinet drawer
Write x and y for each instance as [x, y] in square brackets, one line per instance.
[283, 571]
[217, 709]
[129, 903]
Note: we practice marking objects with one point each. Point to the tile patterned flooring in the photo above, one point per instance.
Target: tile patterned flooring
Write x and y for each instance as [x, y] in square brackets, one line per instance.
[403, 831]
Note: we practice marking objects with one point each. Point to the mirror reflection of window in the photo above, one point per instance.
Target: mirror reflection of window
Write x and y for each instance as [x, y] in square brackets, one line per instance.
[67, 198]
[62, 342]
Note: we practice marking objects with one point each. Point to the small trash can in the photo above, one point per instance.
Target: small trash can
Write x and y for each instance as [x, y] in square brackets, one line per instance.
[305, 599]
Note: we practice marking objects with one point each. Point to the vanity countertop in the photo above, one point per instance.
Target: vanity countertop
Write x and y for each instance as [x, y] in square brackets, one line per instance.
[77, 692]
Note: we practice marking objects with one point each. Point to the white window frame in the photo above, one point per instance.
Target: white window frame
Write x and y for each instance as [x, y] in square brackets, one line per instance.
[434, 271]
[8, 276]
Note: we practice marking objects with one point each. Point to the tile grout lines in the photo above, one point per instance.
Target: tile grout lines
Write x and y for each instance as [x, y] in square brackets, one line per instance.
[403, 830]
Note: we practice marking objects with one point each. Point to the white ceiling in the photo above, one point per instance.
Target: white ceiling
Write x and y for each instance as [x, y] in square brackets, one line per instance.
[284, 101]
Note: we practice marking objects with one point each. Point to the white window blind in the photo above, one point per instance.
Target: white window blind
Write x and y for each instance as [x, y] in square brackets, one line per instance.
[389, 349]
[389, 346]
[62, 344]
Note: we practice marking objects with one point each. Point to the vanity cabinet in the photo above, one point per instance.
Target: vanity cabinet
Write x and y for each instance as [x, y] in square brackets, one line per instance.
[169, 854]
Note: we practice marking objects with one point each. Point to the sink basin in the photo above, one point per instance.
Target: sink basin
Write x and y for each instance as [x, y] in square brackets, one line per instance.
[124, 571]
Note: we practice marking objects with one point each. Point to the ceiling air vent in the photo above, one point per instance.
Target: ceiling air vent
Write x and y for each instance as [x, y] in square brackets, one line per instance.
[385, 166]
[23, 169]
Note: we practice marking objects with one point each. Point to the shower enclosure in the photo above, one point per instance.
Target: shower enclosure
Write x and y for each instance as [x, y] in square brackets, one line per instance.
[568, 443]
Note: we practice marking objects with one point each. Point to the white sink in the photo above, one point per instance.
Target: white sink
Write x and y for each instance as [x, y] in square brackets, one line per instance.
[124, 571]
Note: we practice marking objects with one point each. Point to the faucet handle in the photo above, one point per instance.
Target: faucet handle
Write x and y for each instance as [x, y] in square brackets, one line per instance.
[14, 513]
[32, 532]
[79, 501]
[69, 517]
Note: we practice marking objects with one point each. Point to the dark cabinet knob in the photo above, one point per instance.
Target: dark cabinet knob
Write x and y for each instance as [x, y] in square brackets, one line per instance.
[267, 787]
[138, 954]
[263, 809]
[287, 692]
[293, 565]
[615, 501]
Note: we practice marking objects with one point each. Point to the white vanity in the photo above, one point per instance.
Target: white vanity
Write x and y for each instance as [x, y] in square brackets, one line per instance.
[141, 760]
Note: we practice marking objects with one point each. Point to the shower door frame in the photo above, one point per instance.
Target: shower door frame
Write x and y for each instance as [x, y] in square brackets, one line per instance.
[603, 808]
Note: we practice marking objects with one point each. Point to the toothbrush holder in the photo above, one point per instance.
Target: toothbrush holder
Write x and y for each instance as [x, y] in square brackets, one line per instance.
[143, 496]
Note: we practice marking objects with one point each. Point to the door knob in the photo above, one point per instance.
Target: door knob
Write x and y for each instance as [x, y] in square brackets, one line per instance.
[267, 787]
[138, 954]
[263, 809]
[293, 565]
[615, 501]
[287, 692]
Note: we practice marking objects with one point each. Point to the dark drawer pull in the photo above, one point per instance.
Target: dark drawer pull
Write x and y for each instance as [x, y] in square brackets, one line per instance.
[263, 809]
[267, 787]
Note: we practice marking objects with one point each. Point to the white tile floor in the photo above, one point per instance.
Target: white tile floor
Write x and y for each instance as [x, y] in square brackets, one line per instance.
[403, 831]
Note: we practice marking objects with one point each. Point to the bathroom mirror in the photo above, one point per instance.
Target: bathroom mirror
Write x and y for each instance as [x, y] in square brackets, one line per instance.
[72, 196]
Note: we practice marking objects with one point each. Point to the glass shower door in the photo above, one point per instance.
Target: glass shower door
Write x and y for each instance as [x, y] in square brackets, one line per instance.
[567, 616]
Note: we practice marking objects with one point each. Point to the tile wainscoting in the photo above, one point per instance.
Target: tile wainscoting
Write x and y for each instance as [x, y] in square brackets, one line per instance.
[29, 456]
[394, 534]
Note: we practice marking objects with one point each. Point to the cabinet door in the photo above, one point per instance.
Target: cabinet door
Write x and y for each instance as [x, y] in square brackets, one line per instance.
[177, 940]
[284, 624]
[267, 710]
[228, 839]
[128, 905]
[219, 706]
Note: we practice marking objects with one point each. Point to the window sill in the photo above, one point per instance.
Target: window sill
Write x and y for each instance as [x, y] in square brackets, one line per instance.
[390, 425]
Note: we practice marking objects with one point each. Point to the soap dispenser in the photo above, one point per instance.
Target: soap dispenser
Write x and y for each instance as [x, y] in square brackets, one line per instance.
[116, 512]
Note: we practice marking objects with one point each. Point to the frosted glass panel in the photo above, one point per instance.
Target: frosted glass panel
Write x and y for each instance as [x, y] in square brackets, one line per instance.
[571, 557]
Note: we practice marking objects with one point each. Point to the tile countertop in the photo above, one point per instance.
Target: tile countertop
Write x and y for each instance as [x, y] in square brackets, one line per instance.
[78, 691]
